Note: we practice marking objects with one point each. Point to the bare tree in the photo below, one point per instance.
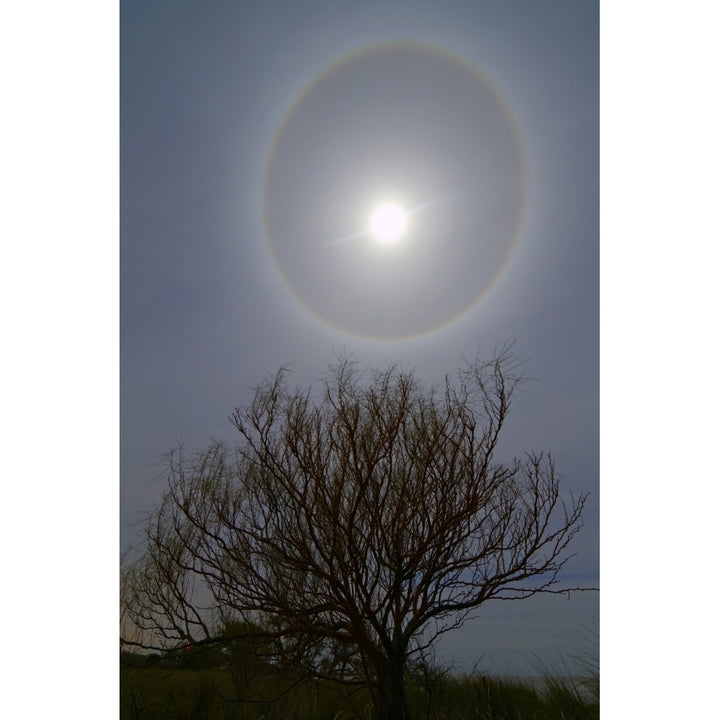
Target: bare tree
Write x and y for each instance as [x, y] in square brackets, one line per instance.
[354, 526]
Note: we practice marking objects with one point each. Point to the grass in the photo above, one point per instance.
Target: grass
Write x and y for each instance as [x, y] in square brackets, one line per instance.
[154, 693]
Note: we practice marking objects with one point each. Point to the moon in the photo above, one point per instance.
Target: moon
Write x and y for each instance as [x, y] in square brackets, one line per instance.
[388, 222]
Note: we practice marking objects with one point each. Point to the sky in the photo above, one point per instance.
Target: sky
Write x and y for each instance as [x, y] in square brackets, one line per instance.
[255, 141]
[64, 490]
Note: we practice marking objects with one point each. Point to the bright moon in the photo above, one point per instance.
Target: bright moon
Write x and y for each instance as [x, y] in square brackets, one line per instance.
[388, 222]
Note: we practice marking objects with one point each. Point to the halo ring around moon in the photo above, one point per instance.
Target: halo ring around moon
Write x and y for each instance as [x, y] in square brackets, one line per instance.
[409, 123]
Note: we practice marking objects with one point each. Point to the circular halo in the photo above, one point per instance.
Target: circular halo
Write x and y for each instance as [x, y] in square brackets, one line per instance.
[404, 121]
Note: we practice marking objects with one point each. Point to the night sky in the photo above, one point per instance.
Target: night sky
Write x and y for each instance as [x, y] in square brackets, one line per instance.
[255, 140]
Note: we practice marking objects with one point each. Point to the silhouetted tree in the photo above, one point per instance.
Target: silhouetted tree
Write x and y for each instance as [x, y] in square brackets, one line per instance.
[352, 527]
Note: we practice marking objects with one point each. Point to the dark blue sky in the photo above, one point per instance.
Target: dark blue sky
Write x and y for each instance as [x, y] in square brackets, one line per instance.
[238, 176]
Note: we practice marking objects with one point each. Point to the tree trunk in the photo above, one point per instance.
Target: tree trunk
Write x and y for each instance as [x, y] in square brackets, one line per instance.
[389, 698]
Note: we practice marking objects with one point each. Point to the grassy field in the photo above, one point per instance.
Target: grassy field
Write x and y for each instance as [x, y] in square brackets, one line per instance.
[152, 692]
